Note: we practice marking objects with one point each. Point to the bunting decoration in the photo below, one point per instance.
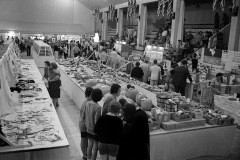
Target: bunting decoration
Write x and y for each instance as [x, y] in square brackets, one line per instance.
[222, 5]
[96, 14]
[214, 5]
[169, 9]
[132, 6]
[160, 3]
[163, 7]
[234, 6]
[111, 12]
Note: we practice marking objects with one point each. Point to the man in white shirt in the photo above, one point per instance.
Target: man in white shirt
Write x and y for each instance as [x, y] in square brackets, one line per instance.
[146, 70]
[114, 56]
[155, 72]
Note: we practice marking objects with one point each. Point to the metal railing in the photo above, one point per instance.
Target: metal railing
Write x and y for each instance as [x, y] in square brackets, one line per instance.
[225, 30]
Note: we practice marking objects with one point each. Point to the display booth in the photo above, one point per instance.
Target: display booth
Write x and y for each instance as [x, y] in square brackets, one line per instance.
[30, 127]
[169, 139]
[154, 52]
[42, 52]
[123, 48]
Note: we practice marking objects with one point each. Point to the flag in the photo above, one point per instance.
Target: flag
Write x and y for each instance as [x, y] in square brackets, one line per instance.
[97, 14]
[128, 11]
[234, 6]
[134, 7]
[214, 5]
[169, 10]
[112, 12]
[131, 8]
[163, 7]
[109, 13]
[160, 3]
[222, 5]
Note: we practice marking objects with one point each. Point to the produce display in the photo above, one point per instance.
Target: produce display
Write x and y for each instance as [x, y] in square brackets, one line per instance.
[171, 107]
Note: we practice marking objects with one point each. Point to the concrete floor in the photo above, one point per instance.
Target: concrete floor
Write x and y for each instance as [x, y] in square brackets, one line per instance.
[68, 114]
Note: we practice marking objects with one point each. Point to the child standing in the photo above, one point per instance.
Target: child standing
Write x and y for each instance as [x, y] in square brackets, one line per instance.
[109, 129]
[92, 113]
[82, 126]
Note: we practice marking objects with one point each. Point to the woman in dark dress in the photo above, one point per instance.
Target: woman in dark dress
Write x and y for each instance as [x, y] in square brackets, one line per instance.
[135, 142]
[137, 72]
[109, 131]
[194, 61]
[54, 83]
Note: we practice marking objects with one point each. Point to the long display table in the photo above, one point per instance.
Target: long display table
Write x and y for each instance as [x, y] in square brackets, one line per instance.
[169, 145]
[228, 107]
[43, 149]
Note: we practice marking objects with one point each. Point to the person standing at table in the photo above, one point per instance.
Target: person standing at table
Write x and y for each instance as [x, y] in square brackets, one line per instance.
[92, 114]
[114, 93]
[65, 51]
[135, 144]
[179, 79]
[76, 50]
[146, 70]
[155, 73]
[216, 82]
[114, 56]
[56, 50]
[109, 130]
[54, 83]
[82, 126]
[29, 44]
[46, 72]
[137, 72]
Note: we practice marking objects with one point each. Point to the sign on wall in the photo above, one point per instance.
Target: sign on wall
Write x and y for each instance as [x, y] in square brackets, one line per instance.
[213, 59]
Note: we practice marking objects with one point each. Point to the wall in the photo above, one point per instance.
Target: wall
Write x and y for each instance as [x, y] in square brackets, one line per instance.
[204, 14]
[45, 16]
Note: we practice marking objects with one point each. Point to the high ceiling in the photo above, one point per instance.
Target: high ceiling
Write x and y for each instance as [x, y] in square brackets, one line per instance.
[92, 4]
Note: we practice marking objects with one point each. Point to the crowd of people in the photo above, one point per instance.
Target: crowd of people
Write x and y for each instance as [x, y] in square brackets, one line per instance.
[115, 131]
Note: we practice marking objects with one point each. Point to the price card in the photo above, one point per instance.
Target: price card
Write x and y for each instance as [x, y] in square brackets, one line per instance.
[158, 111]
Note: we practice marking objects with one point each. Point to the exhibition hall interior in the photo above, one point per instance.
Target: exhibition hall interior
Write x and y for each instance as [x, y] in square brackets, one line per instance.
[119, 80]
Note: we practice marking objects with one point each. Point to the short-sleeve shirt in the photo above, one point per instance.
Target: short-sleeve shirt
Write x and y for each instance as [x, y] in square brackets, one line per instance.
[155, 71]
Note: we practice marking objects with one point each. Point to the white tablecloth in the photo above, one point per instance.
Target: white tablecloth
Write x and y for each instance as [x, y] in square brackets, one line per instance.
[45, 150]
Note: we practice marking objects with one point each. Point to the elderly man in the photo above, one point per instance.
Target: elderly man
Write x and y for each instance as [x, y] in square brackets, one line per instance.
[146, 70]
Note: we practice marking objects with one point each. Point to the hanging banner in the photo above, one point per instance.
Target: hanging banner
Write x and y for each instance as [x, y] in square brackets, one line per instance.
[232, 61]
[213, 59]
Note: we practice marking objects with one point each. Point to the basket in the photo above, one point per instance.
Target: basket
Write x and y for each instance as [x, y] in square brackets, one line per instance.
[171, 107]
[159, 115]
[186, 116]
[161, 101]
[225, 121]
[197, 113]
[154, 126]
[212, 121]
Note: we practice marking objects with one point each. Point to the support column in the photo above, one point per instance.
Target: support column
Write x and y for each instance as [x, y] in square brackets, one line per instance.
[175, 22]
[234, 38]
[119, 22]
[93, 25]
[141, 24]
[104, 25]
